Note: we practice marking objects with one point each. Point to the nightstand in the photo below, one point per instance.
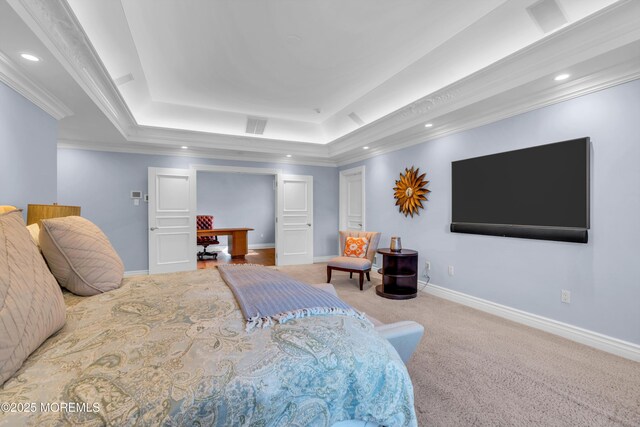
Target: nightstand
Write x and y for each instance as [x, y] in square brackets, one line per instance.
[399, 274]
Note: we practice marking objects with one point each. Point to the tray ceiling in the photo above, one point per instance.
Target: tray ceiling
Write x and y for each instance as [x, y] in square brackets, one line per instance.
[329, 77]
[304, 66]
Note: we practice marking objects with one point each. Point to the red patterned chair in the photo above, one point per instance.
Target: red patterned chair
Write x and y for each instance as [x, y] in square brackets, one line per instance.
[205, 222]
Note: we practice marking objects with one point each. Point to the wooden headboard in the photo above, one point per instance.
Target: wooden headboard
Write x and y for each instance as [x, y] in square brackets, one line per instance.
[37, 212]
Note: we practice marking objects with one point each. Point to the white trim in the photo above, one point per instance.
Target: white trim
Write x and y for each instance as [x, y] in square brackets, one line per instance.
[174, 151]
[282, 257]
[12, 76]
[223, 248]
[342, 195]
[57, 27]
[602, 342]
[262, 246]
[321, 259]
[235, 169]
[136, 273]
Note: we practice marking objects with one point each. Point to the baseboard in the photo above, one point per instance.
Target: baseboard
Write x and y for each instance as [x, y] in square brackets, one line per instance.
[262, 246]
[221, 248]
[583, 336]
[136, 273]
[318, 259]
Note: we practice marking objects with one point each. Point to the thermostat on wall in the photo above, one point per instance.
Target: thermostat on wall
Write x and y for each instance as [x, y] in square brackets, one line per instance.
[136, 194]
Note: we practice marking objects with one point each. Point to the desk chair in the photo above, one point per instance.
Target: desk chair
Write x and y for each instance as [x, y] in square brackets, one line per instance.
[205, 222]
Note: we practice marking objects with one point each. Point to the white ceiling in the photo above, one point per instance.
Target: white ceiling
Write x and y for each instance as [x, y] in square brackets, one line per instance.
[190, 71]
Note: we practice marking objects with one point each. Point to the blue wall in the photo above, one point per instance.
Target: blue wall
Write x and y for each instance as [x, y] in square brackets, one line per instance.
[239, 200]
[603, 275]
[28, 139]
[100, 182]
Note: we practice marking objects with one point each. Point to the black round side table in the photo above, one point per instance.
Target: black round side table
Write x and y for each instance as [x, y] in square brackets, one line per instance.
[399, 274]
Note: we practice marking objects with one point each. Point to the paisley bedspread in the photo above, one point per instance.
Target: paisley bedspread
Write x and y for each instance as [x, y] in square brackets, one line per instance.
[171, 350]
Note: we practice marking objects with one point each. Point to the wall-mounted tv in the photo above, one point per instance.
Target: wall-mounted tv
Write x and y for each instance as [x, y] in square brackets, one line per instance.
[540, 192]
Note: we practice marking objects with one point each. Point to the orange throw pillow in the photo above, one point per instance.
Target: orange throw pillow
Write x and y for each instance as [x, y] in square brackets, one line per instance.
[356, 247]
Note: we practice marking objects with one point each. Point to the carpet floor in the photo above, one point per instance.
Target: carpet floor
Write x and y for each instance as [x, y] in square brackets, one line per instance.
[476, 369]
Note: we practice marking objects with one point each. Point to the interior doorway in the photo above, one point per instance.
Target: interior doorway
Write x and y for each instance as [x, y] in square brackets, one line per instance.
[237, 200]
[352, 199]
[172, 218]
[292, 215]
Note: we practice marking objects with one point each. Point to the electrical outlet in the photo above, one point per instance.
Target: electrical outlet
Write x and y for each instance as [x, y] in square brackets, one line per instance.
[451, 270]
[427, 265]
[566, 296]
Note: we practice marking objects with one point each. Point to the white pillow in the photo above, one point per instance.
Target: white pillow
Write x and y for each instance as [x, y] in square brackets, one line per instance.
[34, 230]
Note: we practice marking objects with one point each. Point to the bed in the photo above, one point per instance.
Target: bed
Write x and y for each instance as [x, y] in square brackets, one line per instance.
[172, 350]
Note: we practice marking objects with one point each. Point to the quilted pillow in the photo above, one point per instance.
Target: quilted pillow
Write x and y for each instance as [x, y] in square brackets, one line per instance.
[31, 303]
[356, 247]
[80, 256]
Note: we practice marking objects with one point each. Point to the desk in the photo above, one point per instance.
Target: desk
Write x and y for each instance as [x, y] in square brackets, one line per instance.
[238, 243]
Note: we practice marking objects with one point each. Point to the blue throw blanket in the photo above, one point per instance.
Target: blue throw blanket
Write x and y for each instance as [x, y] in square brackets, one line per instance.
[266, 296]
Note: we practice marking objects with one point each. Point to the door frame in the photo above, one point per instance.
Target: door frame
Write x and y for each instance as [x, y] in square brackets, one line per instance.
[153, 216]
[342, 203]
[283, 215]
[242, 170]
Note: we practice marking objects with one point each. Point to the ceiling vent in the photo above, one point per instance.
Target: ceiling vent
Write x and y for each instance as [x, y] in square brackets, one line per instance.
[256, 125]
[123, 79]
[356, 118]
[547, 15]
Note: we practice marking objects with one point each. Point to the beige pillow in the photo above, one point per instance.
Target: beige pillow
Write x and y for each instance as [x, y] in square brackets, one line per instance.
[80, 256]
[31, 303]
[34, 230]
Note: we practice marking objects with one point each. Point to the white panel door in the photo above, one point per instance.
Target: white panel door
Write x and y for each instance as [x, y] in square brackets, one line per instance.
[172, 220]
[352, 199]
[294, 220]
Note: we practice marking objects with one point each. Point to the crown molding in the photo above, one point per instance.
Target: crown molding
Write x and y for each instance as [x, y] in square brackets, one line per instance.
[55, 24]
[613, 76]
[16, 79]
[611, 28]
[177, 152]
[608, 29]
[205, 140]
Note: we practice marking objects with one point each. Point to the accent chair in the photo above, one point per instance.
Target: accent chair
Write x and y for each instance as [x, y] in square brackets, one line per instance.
[205, 222]
[351, 264]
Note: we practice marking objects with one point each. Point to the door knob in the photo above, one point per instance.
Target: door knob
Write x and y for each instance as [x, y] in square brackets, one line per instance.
[309, 224]
[153, 228]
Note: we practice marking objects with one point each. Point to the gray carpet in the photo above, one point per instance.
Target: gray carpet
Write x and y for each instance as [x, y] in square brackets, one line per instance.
[475, 369]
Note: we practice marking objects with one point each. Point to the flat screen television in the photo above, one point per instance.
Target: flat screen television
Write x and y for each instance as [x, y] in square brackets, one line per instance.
[537, 193]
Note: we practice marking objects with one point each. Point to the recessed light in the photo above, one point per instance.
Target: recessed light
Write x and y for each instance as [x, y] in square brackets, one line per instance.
[365, 148]
[289, 155]
[562, 77]
[30, 57]
[184, 147]
[428, 125]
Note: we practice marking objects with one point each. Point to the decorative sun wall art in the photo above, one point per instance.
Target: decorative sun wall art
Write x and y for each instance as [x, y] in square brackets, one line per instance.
[410, 191]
